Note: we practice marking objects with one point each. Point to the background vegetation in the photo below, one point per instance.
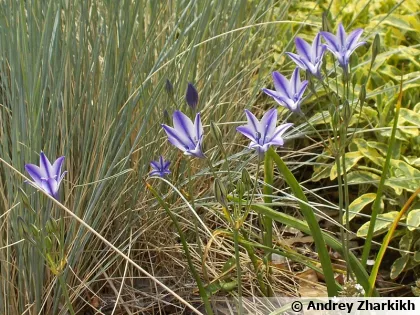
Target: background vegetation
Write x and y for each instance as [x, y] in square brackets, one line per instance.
[86, 79]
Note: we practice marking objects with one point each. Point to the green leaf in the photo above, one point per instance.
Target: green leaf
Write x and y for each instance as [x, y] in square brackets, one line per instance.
[351, 160]
[228, 264]
[368, 152]
[406, 241]
[413, 219]
[383, 222]
[416, 256]
[399, 265]
[404, 176]
[359, 203]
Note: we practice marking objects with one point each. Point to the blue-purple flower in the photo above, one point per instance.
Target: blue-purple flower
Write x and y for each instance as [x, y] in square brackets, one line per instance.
[46, 176]
[186, 135]
[288, 93]
[309, 57]
[343, 45]
[160, 168]
[191, 96]
[263, 133]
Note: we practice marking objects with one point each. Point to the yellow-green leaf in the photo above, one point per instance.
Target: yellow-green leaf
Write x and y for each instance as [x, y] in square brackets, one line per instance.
[383, 222]
[398, 266]
[368, 152]
[358, 204]
[351, 159]
[413, 219]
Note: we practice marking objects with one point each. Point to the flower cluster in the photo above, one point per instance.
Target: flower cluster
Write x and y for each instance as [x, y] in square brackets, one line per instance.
[309, 58]
[188, 136]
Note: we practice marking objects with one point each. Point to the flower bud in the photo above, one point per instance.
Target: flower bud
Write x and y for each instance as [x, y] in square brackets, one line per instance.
[362, 95]
[169, 87]
[335, 118]
[240, 188]
[220, 192]
[166, 117]
[48, 244]
[191, 96]
[246, 179]
[216, 133]
[346, 112]
[326, 27]
[376, 47]
[51, 226]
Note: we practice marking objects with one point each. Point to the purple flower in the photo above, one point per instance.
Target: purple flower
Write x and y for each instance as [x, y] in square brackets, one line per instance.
[263, 133]
[288, 93]
[342, 46]
[309, 58]
[185, 135]
[160, 167]
[191, 96]
[47, 177]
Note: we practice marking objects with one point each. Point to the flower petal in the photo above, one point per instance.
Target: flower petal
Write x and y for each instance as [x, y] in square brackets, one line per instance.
[197, 151]
[302, 90]
[253, 122]
[176, 138]
[50, 186]
[198, 127]
[247, 131]
[184, 127]
[155, 165]
[281, 84]
[354, 47]
[268, 123]
[317, 49]
[36, 173]
[280, 130]
[332, 42]
[46, 165]
[353, 38]
[341, 35]
[296, 58]
[56, 167]
[295, 82]
[166, 165]
[303, 48]
[281, 99]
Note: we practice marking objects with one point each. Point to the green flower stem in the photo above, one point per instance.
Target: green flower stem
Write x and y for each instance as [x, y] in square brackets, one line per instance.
[267, 221]
[63, 286]
[191, 193]
[312, 222]
[238, 266]
[254, 260]
[201, 288]
[377, 202]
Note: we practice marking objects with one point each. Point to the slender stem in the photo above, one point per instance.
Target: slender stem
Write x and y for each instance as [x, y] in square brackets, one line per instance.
[63, 286]
[267, 221]
[238, 266]
[343, 137]
[255, 263]
[191, 193]
[249, 201]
